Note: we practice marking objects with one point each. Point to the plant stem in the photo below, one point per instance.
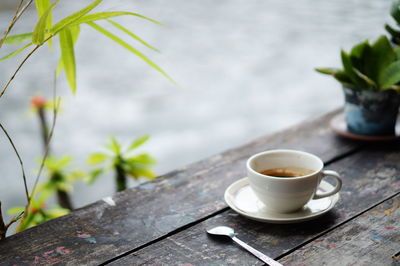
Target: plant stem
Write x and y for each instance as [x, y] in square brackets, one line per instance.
[120, 178]
[3, 228]
[44, 128]
[20, 162]
[64, 199]
[20, 10]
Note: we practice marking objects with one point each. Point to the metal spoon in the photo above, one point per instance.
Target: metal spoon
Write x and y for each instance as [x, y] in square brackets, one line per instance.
[229, 232]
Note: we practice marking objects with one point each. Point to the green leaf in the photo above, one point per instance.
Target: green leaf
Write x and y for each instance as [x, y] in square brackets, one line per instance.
[358, 50]
[383, 55]
[134, 36]
[15, 210]
[397, 51]
[393, 87]
[370, 82]
[130, 48]
[74, 17]
[41, 27]
[348, 70]
[395, 10]
[75, 30]
[19, 38]
[143, 158]
[68, 57]
[390, 75]
[138, 142]
[15, 52]
[105, 15]
[97, 158]
[138, 172]
[93, 175]
[41, 7]
[394, 33]
[328, 71]
[343, 79]
[115, 146]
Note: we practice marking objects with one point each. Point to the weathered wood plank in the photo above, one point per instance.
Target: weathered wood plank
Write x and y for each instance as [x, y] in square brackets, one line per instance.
[99, 232]
[369, 176]
[371, 239]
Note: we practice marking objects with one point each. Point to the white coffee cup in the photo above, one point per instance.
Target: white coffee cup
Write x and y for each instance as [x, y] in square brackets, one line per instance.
[288, 194]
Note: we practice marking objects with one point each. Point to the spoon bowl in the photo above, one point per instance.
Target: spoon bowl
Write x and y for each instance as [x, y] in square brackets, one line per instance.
[225, 231]
[222, 231]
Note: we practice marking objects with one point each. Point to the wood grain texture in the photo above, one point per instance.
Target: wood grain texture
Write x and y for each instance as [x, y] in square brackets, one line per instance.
[370, 239]
[369, 177]
[100, 232]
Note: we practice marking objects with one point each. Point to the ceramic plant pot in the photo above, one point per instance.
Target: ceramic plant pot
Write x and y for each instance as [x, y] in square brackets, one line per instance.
[371, 113]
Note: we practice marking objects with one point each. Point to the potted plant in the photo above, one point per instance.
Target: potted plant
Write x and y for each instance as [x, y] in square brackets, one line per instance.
[370, 77]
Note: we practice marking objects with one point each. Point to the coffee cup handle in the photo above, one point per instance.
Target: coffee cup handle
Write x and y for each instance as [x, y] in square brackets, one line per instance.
[333, 174]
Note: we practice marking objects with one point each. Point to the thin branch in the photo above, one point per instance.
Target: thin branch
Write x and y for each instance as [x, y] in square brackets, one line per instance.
[47, 145]
[22, 63]
[18, 68]
[19, 159]
[18, 13]
[4, 226]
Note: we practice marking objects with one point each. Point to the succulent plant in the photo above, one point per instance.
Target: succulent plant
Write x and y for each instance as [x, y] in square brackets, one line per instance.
[369, 66]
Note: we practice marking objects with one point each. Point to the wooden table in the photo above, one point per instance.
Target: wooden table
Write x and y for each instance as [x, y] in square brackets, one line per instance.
[164, 222]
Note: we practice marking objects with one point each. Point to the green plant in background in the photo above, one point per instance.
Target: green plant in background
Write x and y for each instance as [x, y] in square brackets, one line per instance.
[122, 162]
[395, 13]
[369, 67]
[60, 179]
[68, 30]
[38, 211]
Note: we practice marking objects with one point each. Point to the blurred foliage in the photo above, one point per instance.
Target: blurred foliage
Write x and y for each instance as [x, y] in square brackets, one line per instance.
[369, 66]
[122, 162]
[68, 30]
[38, 211]
[395, 13]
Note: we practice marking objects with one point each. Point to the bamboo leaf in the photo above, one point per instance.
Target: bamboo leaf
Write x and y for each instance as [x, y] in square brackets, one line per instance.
[74, 17]
[41, 7]
[138, 142]
[130, 48]
[68, 57]
[134, 36]
[143, 158]
[15, 52]
[390, 75]
[93, 175]
[20, 38]
[16, 210]
[116, 147]
[75, 30]
[105, 15]
[96, 158]
[40, 28]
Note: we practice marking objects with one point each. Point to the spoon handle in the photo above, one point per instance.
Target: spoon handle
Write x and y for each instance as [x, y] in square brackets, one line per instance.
[257, 253]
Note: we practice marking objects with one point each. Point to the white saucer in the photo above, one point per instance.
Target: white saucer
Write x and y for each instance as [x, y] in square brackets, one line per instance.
[241, 198]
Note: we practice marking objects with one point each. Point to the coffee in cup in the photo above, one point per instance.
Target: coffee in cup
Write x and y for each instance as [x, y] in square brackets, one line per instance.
[286, 180]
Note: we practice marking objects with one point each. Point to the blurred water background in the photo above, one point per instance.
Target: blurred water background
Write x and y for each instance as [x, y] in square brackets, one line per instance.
[245, 69]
